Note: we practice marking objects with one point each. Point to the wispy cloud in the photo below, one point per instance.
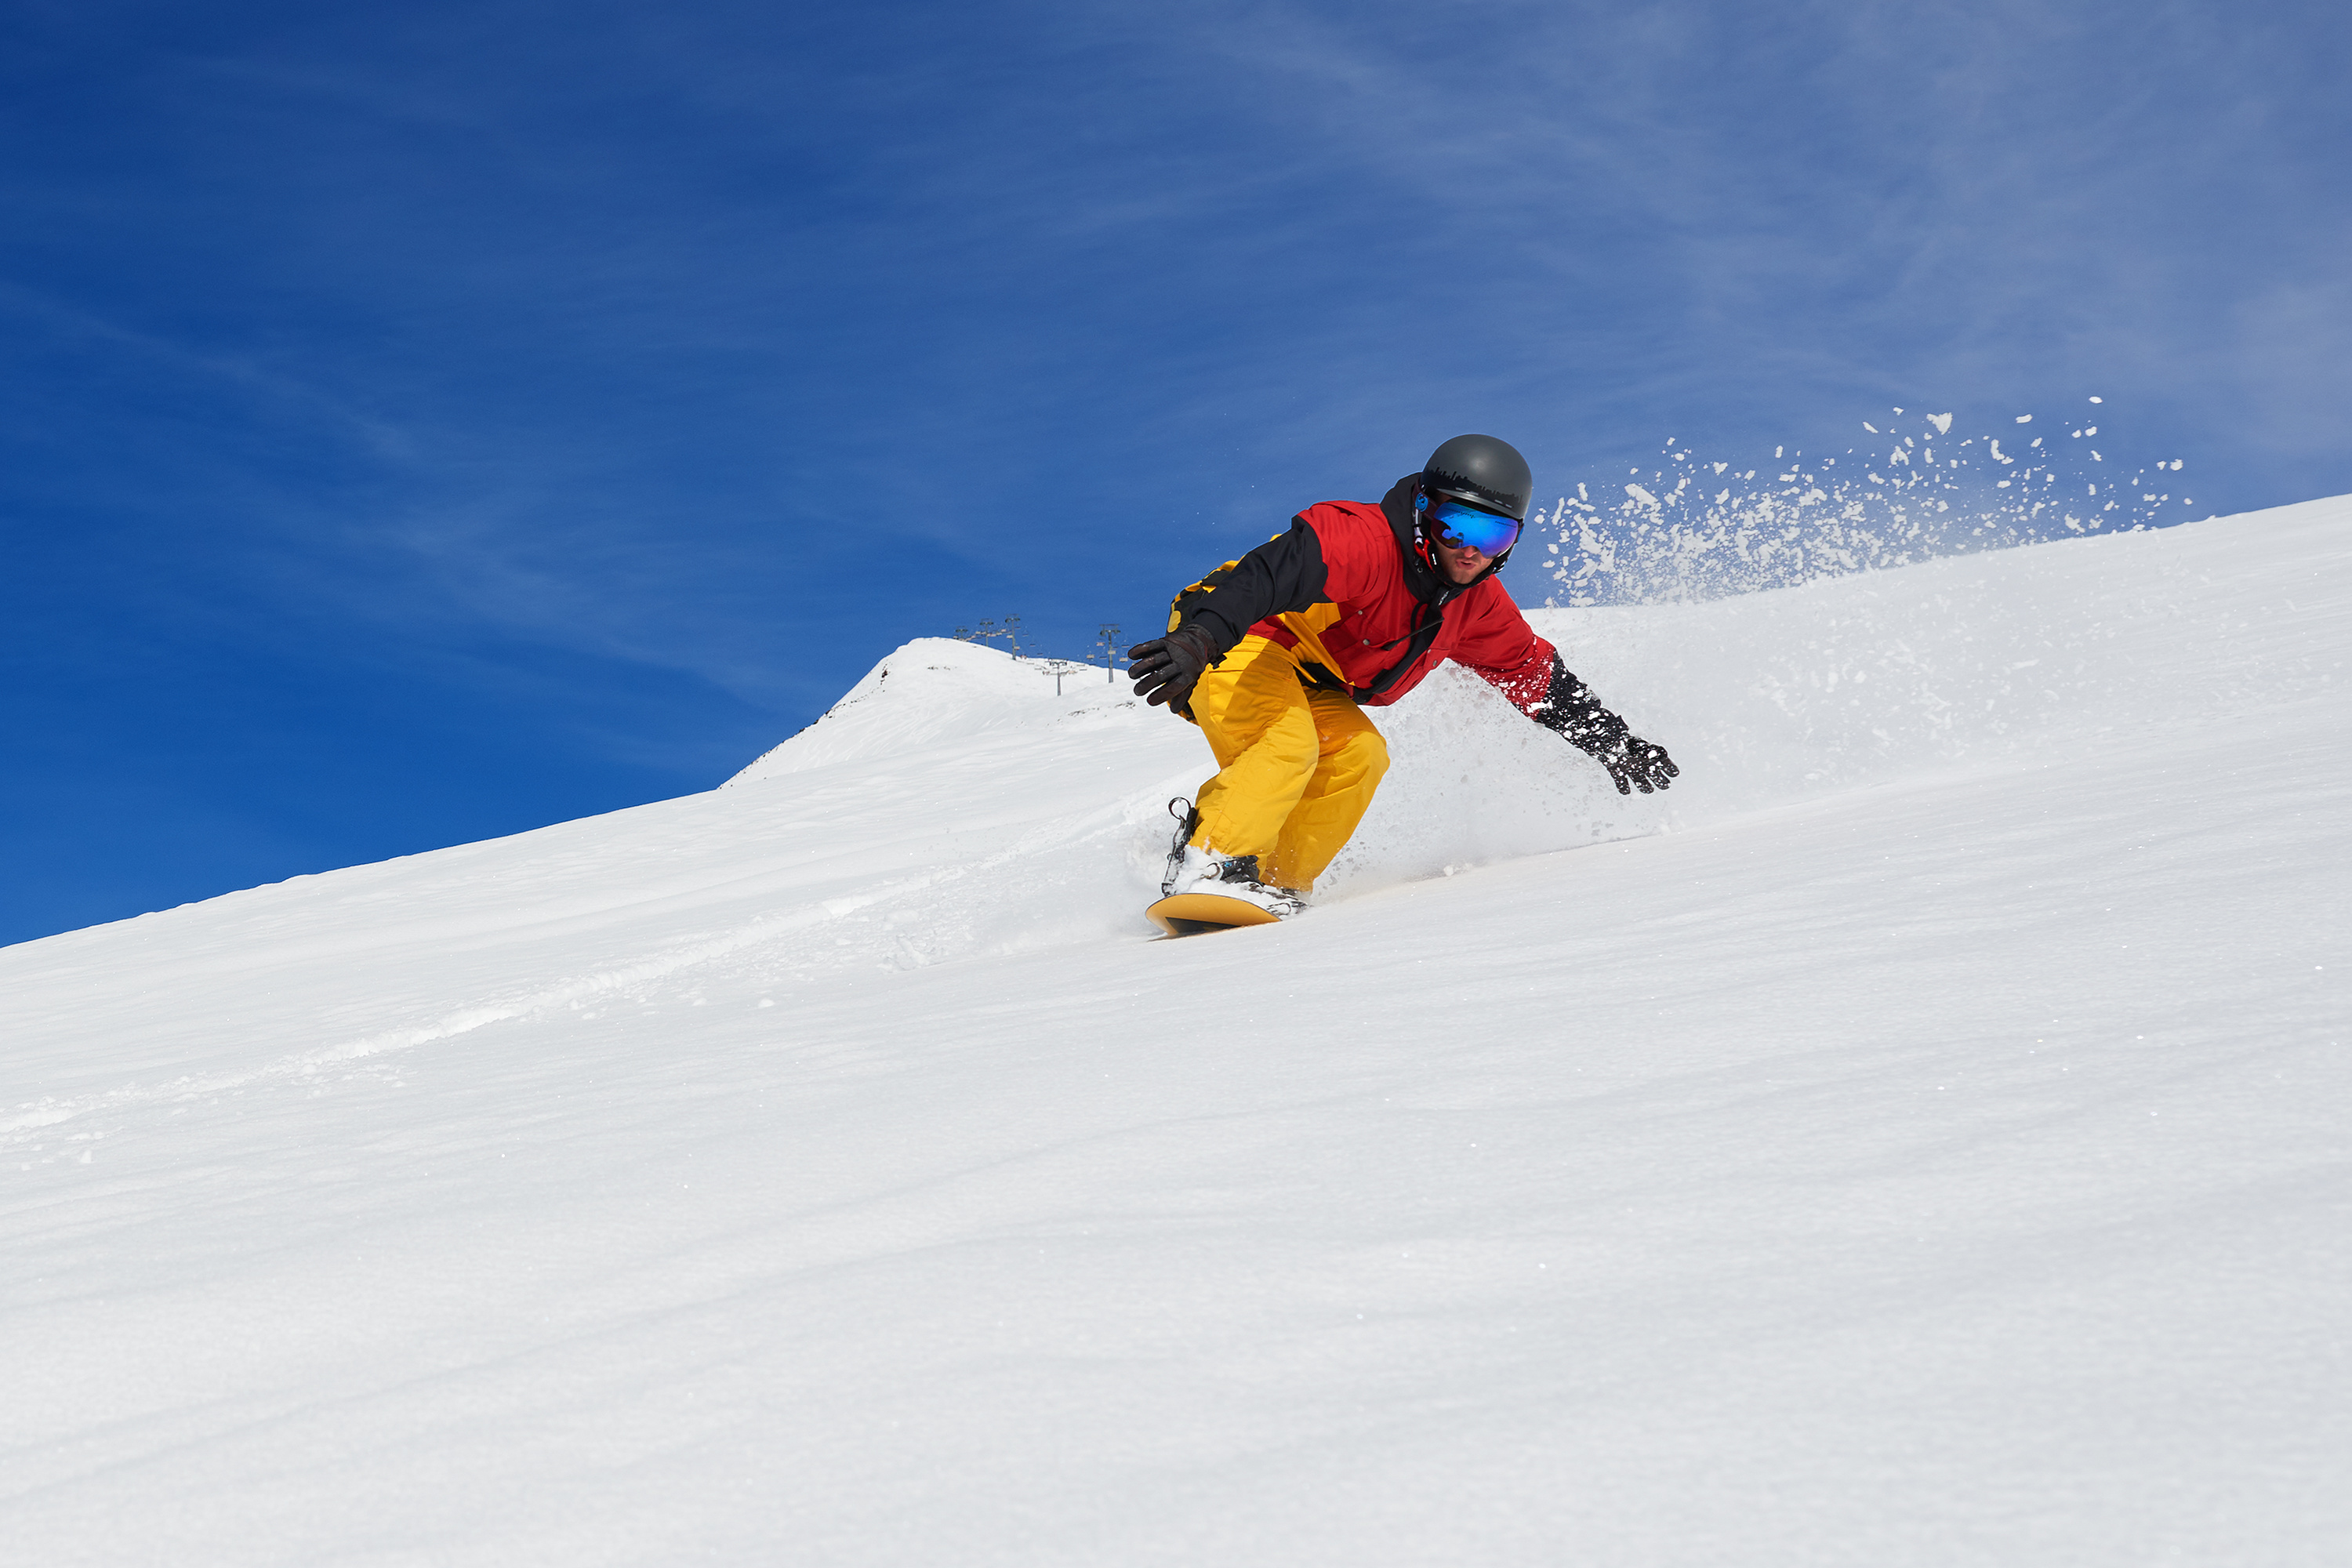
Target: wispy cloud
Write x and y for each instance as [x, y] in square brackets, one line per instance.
[1970, 198]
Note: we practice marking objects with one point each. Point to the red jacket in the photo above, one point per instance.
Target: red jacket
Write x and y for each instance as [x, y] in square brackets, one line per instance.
[1352, 586]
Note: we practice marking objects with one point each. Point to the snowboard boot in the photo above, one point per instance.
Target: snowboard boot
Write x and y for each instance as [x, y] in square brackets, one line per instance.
[1198, 869]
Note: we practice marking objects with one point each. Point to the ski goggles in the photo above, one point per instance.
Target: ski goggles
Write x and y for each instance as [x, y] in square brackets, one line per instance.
[1457, 524]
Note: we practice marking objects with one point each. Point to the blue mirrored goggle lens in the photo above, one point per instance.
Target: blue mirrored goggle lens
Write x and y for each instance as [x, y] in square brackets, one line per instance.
[1483, 531]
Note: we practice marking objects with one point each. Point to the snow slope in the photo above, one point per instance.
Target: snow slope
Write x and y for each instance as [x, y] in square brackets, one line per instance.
[1920, 1137]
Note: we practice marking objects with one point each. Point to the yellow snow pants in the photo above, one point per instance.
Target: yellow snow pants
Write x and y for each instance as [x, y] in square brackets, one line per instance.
[1297, 765]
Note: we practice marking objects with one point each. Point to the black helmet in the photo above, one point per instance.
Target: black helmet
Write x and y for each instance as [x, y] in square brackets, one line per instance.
[1484, 471]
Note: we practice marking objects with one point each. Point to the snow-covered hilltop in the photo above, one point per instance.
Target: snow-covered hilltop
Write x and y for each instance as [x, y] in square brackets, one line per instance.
[1918, 1138]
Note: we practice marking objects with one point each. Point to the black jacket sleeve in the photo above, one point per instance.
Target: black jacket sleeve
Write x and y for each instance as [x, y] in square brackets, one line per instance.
[1571, 708]
[1283, 575]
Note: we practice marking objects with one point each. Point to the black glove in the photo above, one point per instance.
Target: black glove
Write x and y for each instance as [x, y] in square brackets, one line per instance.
[1642, 763]
[1166, 668]
[1569, 708]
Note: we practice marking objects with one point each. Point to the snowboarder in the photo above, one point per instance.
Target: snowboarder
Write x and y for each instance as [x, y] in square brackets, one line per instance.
[1276, 656]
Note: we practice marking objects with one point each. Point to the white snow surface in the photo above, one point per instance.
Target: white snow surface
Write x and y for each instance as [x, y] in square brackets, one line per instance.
[1919, 1138]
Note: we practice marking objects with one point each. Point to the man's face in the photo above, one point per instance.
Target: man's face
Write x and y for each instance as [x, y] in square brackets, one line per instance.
[1460, 563]
[1465, 539]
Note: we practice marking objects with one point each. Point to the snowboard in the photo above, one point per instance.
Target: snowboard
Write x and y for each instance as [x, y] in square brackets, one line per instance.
[1190, 914]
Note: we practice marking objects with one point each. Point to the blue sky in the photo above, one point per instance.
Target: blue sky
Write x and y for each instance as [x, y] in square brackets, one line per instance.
[425, 422]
